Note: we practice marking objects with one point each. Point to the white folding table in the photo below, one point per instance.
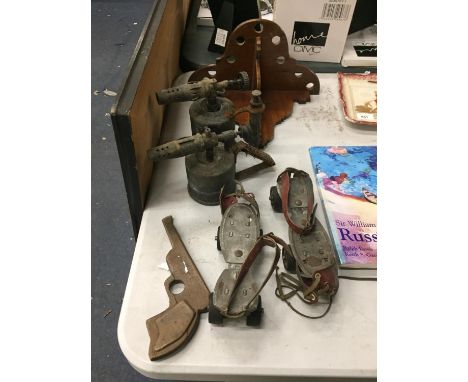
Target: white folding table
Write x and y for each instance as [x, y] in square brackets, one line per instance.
[286, 346]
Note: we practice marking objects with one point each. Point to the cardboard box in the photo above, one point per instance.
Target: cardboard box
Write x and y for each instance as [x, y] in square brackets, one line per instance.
[361, 48]
[316, 29]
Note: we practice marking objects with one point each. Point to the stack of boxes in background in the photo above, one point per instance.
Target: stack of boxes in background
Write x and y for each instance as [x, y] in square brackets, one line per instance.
[361, 48]
[316, 30]
[322, 30]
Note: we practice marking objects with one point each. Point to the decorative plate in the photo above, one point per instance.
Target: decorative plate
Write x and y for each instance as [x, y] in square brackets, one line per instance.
[358, 94]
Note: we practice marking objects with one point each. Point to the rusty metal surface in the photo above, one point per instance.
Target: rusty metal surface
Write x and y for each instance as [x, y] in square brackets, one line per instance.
[225, 286]
[216, 120]
[171, 329]
[314, 259]
[236, 292]
[241, 241]
[260, 48]
[209, 109]
[266, 159]
[211, 153]
[210, 161]
[205, 178]
[205, 88]
[237, 236]
[313, 251]
[202, 141]
[297, 199]
[239, 230]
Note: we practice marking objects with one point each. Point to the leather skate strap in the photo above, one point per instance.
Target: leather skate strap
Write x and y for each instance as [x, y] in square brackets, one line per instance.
[226, 200]
[284, 280]
[265, 240]
[284, 184]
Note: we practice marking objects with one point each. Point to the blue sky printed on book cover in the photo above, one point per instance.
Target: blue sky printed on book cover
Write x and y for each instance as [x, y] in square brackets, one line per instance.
[347, 181]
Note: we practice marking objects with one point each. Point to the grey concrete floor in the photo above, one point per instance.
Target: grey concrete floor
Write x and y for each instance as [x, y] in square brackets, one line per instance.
[116, 26]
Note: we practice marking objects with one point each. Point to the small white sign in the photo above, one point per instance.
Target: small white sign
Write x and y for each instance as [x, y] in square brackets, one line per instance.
[221, 37]
[366, 117]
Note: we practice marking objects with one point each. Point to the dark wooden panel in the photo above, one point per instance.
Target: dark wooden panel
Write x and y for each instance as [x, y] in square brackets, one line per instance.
[136, 116]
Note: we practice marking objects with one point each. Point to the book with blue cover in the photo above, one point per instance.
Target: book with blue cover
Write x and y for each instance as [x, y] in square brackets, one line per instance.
[346, 177]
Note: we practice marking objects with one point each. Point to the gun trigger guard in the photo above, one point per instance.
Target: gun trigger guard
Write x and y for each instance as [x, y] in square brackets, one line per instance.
[167, 285]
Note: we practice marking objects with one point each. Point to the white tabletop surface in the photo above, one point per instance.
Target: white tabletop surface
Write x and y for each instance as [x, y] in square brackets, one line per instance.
[342, 344]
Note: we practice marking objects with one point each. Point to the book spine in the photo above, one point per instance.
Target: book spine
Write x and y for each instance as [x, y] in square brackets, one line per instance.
[339, 255]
